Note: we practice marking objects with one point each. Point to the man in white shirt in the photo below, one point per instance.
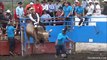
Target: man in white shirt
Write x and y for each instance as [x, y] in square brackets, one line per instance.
[19, 10]
[57, 5]
[45, 6]
[90, 10]
[51, 7]
[97, 8]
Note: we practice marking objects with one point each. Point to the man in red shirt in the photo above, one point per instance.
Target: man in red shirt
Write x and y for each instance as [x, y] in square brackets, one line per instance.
[38, 8]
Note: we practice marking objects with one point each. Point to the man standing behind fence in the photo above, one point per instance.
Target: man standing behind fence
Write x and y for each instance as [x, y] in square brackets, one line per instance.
[19, 10]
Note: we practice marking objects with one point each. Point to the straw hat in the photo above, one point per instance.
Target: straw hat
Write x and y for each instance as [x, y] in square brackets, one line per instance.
[31, 8]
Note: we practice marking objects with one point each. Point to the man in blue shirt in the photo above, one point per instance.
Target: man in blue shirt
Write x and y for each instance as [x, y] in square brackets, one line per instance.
[10, 34]
[79, 12]
[61, 44]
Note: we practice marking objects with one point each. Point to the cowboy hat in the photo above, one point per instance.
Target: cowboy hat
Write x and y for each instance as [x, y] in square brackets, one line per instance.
[31, 3]
[8, 11]
[31, 8]
[96, 1]
[104, 1]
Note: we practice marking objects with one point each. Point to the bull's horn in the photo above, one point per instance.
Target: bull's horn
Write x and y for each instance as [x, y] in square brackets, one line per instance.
[50, 30]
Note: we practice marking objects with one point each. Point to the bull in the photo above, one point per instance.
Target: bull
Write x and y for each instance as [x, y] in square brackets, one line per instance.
[39, 34]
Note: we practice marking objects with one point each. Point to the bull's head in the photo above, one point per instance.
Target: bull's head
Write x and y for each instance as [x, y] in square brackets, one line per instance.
[42, 34]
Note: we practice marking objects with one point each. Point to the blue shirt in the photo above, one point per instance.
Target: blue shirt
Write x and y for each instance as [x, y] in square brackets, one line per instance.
[67, 10]
[79, 10]
[61, 38]
[10, 31]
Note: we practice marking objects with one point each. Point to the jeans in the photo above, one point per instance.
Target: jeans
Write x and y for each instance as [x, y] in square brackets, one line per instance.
[86, 21]
[60, 49]
[11, 43]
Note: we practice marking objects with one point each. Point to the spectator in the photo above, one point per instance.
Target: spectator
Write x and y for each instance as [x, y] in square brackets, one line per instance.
[79, 12]
[38, 8]
[45, 5]
[19, 10]
[57, 5]
[67, 12]
[45, 17]
[8, 15]
[51, 7]
[59, 17]
[84, 4]
[28, 6]
[90, 11]
[2, 6]
[2, 17]
[97, 8]
[10, 34]
[105, 7]
[61, 43]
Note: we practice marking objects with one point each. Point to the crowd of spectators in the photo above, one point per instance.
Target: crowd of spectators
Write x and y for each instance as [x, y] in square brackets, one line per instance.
[55, 10]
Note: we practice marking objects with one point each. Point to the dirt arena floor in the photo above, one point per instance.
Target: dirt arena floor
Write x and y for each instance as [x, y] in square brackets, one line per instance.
[73, 56]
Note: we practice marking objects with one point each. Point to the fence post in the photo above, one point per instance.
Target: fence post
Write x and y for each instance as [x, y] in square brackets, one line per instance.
[22, 41]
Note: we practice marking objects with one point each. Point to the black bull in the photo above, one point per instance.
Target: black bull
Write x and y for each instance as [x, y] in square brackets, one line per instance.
[38, 33]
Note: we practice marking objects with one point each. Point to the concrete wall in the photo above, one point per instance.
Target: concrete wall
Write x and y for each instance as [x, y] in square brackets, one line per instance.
[87, 47]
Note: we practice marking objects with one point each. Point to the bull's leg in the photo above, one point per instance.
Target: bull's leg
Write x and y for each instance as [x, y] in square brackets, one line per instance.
[36, 41]
[28, 41]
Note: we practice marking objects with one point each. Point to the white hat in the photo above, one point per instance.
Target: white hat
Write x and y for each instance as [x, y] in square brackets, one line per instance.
[90, 1]
[31, 3]
[8, 11]
[104, 1]
[76, 1]
[96, 1]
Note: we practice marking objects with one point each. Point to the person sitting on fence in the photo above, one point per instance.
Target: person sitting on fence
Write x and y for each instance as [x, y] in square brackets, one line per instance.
[45, 18]
[34, 17]
[79, 12]
[105, 7]
[67, 12]
[97, 8]
[90, 11]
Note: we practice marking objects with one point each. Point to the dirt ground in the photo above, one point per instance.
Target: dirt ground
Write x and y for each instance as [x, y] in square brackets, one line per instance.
[73, 56]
